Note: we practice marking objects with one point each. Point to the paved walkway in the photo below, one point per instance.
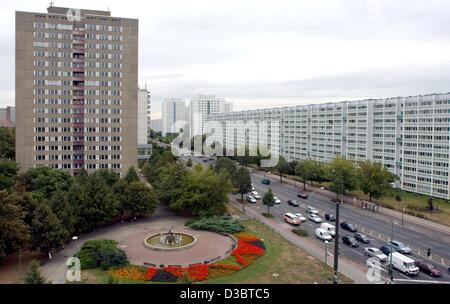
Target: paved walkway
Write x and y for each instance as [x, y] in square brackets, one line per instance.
[382, 210]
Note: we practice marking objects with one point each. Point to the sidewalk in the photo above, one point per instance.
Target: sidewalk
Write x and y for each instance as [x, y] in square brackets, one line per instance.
[354, 271]
[382, 210]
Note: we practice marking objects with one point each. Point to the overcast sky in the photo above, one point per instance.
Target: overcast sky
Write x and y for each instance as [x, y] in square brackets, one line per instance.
[260, 53]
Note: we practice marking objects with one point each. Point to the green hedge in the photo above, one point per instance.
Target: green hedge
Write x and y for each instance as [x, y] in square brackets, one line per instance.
[221, 224]
[101, 254]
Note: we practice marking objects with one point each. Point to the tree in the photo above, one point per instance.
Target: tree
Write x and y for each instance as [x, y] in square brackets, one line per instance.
[139, 200]
[203, 192]
[46, 180]
[132, 175]
[33, 275]
[47, 231]
[7, 143]
[109, 176]
[305, 169]
[169, 182]
[282, 167]
[8, 174]
[242, 181]
[268, 200]
[374, 179]
[66, 212]
[14, 232]
[189, 163]
[343, 175]
[224, 163]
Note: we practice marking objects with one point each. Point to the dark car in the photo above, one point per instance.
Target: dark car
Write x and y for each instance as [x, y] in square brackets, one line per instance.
[293, 203]
[362, 238]
[386, 250]
[265, 181]
[428, 269]
[303, 195]
[350, 241]
[348, 226]
[330, 217]
[205, 160]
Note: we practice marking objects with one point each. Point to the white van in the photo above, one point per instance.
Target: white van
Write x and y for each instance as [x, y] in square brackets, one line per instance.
[323, 234]
[292, 219]
[328, 227]
[404, 264]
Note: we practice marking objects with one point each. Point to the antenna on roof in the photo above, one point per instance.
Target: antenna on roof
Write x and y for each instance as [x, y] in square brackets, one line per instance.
[52, 3]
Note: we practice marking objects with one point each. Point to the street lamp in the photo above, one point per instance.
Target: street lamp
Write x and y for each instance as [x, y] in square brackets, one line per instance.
[336, 243]
[75, 238]
[391, 272]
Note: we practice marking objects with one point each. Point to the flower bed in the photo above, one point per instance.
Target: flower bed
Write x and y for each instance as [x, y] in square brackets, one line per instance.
[249, 249]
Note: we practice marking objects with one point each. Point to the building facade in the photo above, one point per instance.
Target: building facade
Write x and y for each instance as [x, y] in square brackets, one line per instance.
[156, 125]
[200, 107]
[409, 135]
[76, 96]
[8, 117]
[174, 115]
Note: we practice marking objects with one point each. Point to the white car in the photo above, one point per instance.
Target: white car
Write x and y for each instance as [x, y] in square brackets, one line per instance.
[253, 188]
[314, 218]
[300, 216]
[250, 199]
[276, 200]
[376, 253]
[256, 195]
[312, 210]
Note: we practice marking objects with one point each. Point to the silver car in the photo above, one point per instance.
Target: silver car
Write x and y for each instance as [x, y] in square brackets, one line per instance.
[376, 253]
[312, 210]
[400, 247]
[314, 218]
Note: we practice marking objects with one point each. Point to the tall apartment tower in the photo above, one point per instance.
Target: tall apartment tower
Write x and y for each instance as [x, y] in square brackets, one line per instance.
[174, 115]
[76, 90]
[203, 105]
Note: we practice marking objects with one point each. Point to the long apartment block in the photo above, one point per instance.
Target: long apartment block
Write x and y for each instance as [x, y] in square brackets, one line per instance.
[408, 135]
[76, 90]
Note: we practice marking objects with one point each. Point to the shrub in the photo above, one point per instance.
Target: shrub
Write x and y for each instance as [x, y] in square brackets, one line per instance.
[268, 215]
[300, 232]
[221, 224]
[101, 253]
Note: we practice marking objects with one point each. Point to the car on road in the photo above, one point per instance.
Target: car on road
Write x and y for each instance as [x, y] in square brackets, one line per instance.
[265, 181]
[348, 226]
[403, 263]
[350, 241]
[253, 187]
[375, 253]
[386, 249]
[314, 218]
[323, 235]
[330, 228]
[300, 216]
[303, 195]
[292, 219]
[205, 160]
[312, 210]
[400, 247]
[293, 203]
[276, 200]
[362, 238]
[330, 218]
[250, 199]
[428, 269]
[256, 195]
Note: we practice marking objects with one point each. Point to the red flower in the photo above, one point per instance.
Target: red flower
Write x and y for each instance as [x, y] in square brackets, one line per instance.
[176, 271]
[197, 272]
[150, 273]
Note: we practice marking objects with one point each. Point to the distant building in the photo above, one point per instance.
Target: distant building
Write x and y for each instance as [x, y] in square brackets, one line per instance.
[228, 107]
[174, 115]
[202, 106]
[144, 148]
[8, 117]
[156, 125]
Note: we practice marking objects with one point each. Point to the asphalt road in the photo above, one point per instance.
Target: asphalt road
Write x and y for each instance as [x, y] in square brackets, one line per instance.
[377, 227]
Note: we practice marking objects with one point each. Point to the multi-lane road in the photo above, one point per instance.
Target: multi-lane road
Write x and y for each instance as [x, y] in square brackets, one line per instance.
[377, 227]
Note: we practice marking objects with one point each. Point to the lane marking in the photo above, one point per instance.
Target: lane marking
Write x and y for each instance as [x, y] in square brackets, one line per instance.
[423, 281]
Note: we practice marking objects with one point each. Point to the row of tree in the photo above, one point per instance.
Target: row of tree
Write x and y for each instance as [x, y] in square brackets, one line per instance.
[43, 207]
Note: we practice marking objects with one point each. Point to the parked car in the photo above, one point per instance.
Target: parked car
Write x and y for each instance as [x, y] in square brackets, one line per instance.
[256, 195]
[362, 238]
[303, 195]
[386, 249]
[314, 218]
[312, 210]
[350, 241]
[300, 216]
[205, 160]
[292, 219]
[293, 203]
[276, 200]
[403, 263]
[328, 227]
[323, 235]
[400, 247]
[265, 181]
[348, 226]
[330, 218]
[428, 269]
[376, 253]
[250, 199]
[253, 187]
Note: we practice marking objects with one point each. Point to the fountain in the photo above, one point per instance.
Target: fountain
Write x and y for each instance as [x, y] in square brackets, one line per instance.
[170, 241]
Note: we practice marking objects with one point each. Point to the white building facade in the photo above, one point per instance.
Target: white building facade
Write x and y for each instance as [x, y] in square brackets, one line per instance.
[203, 105]
[408, 135]
[175, 115]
